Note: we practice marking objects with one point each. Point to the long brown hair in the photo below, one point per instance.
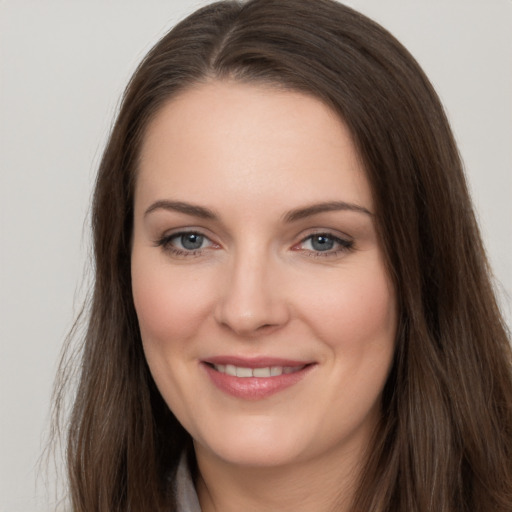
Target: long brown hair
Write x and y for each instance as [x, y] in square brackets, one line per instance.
[445, 440]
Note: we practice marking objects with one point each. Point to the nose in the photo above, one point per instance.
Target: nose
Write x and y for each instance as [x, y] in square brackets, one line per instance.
[252, 301]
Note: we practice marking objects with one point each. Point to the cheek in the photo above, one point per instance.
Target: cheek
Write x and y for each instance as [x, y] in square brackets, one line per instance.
[356, 320]
[355, 311]
[169, 303]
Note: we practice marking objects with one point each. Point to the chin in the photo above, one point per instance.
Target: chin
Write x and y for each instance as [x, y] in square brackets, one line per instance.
[256, 446]
[253, 455]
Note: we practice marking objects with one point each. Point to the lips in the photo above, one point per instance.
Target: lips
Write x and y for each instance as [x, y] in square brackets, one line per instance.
[255, 378]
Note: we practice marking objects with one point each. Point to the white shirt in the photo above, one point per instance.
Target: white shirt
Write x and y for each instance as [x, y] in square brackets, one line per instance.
[186, 496]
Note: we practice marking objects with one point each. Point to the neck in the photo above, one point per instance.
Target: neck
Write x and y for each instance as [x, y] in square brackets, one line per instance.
[320, 485]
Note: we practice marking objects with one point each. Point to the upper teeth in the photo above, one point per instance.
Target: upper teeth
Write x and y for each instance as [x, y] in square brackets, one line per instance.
[269, 371]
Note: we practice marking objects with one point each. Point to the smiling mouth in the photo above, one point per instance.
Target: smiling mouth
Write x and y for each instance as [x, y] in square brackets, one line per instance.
[265, 372]
[255, 379]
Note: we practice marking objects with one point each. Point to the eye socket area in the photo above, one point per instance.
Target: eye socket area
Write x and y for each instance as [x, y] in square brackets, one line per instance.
[186, 243]
[194, 243]
[324, 244]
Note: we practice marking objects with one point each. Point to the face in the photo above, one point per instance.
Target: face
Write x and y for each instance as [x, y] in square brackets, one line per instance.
[267, 316]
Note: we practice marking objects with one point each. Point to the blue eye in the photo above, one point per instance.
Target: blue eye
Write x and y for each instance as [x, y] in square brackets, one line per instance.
[325, 243]
[322, 242]
[189, 241]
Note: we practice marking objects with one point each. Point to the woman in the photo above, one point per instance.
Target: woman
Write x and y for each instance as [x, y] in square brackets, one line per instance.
[292, 306]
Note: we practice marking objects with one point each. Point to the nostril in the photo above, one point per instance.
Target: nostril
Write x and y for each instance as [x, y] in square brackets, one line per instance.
[266, 327]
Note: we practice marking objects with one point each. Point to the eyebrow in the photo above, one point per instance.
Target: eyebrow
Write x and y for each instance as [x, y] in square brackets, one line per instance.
[179, 206]
[314, 209]
[289, 217]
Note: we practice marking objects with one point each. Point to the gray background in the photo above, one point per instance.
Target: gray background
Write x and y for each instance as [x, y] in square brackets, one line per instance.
[63, 65]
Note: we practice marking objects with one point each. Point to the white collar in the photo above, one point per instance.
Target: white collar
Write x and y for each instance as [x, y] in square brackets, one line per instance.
[185, 492]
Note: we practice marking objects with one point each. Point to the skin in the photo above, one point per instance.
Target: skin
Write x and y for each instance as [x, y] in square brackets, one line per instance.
[259, 286]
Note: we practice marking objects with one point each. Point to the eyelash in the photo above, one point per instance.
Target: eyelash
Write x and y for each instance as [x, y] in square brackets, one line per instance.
[344, 245]
[166, 243]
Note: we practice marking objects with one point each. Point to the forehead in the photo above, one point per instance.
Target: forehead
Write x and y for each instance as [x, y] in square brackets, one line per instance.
[240, 140]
